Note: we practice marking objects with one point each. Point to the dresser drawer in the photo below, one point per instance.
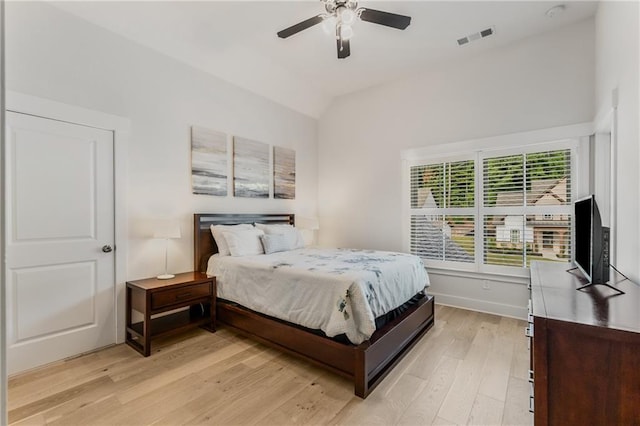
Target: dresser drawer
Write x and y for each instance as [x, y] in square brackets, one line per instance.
[165, 298]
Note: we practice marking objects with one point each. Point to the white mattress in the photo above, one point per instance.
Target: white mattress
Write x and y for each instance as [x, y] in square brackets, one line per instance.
[335, 290]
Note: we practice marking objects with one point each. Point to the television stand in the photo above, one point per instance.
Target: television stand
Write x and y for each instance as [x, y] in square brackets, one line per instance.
[617, 290]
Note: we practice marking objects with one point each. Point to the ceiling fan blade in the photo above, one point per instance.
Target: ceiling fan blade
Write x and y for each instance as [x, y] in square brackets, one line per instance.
[385, 18]
[344, 50]
[300, 26]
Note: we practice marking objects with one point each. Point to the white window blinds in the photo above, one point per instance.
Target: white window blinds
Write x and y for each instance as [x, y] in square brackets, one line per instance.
[442, 205]
[527, 208]
[523, 213]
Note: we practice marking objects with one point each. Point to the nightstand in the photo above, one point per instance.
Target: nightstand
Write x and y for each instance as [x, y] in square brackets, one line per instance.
[153, 296]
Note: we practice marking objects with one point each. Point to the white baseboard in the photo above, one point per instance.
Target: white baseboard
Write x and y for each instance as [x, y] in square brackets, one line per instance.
[511, 311]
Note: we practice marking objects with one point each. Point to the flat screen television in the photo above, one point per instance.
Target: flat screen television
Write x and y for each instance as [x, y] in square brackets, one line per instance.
[591, 242]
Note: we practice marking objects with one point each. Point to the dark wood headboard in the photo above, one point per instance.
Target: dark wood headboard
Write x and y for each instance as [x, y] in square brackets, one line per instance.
[204, 246]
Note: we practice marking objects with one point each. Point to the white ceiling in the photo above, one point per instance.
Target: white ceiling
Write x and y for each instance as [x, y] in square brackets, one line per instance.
[236, 40]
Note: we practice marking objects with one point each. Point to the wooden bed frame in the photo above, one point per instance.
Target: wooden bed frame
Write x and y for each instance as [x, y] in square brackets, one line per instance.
[366, 364]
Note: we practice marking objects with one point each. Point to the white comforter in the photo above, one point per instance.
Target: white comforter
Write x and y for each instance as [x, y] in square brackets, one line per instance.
[334, 290]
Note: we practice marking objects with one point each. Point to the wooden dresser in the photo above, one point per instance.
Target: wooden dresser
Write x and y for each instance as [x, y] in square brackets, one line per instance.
[585, 350]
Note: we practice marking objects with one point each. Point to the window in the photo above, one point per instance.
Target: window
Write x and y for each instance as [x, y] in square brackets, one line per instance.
[492, 211]
[548, 238]
[443, 196]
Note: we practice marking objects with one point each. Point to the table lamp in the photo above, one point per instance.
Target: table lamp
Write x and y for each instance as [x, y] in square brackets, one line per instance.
[167, 230]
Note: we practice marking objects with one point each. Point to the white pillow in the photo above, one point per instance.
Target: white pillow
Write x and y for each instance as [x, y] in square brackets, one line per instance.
[217, 230]
[294, 237]
[244, 242]
[274, 243]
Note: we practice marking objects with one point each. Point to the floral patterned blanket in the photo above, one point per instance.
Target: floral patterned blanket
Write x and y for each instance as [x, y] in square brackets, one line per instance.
[335, 290]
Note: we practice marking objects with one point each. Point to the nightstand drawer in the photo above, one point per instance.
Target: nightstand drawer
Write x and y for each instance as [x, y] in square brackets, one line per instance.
[179, 295]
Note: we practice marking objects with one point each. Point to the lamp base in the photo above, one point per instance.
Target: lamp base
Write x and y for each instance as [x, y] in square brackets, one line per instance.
[165, 276]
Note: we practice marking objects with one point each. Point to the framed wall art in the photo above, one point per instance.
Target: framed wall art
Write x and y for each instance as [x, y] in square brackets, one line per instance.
[284, 173]
[208, 161]
[250, 168]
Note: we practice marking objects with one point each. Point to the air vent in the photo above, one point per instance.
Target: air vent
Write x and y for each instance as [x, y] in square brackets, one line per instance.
[476, 36]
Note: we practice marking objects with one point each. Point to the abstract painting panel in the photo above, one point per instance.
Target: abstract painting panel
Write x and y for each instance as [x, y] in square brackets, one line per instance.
[284, 173]
[208, 161]
[250, 168]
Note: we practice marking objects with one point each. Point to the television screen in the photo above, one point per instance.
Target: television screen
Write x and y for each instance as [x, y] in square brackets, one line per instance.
[592, 241]
[584, 235]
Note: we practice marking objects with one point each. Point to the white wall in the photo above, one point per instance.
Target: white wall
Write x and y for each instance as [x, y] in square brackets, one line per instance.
[57, 56]
[540, 82]
[617, 57]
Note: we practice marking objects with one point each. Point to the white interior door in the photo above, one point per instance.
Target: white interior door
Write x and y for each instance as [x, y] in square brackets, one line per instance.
[60, 214]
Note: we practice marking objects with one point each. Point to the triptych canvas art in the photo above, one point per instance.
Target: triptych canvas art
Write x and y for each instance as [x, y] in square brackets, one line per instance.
[208, 162]
[284, 173]
[250, 168]
[210, 168]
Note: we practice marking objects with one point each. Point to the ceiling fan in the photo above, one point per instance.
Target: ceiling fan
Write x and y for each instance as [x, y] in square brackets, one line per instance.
[343, 14]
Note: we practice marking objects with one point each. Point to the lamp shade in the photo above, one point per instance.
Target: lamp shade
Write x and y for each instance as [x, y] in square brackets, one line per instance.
[167, 229]
[310, 223]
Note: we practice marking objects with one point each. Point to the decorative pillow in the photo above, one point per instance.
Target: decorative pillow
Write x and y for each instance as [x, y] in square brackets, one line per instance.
[271, 228]
[294, 236]
[244, 242]
[217, 230]
[274, 243]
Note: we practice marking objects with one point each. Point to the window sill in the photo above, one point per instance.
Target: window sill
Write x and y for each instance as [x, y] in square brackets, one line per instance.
[515, 278]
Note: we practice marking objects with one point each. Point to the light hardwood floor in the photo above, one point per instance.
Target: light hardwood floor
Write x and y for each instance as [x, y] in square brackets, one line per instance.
[471, 368]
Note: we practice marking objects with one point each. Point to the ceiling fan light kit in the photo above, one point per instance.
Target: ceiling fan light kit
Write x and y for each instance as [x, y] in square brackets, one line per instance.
[340, 16]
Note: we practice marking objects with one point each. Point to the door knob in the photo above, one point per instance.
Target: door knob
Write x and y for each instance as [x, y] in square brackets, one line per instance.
[107, 249]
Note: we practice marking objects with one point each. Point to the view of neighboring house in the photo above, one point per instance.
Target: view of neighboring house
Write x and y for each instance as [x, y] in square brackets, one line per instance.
[435, 240]
[439, 238]
[546, 234]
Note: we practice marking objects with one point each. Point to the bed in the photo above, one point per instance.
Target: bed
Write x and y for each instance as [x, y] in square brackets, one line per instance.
[366, 363]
